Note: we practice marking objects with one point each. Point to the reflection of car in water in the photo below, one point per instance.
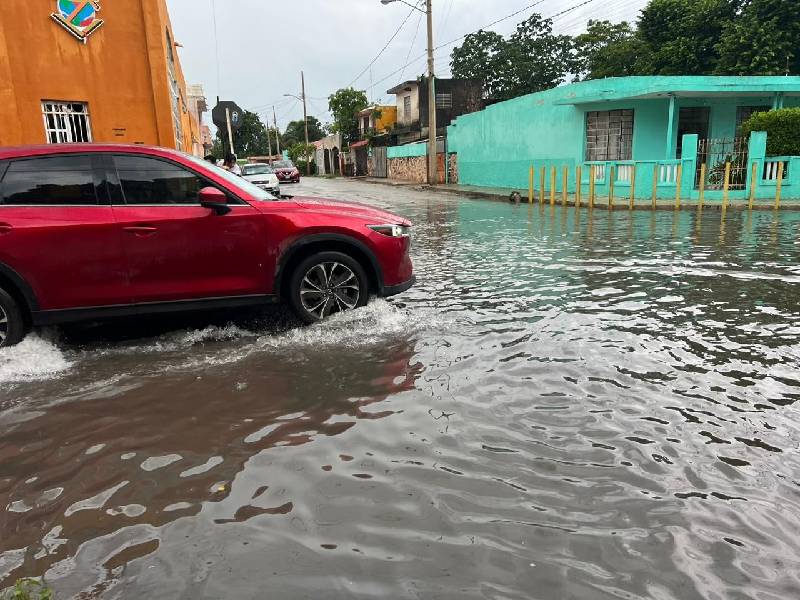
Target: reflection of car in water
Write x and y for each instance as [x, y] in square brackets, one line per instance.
[263, 176]
[286, 171]
[89, 231]
[216, 449]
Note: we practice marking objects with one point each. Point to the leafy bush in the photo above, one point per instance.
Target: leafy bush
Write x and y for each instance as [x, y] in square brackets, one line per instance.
[782, 127]
[28, 589]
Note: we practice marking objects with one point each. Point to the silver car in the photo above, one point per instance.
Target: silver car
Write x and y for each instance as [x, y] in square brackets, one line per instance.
[263, 176]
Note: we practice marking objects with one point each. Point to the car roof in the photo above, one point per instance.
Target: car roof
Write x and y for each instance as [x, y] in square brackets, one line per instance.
[50, 149]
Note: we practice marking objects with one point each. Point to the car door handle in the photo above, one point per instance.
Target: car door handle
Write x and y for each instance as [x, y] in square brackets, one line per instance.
[141, 230]
[5, 228]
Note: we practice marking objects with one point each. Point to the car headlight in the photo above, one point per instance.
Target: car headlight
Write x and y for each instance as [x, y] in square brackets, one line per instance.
[392, 230]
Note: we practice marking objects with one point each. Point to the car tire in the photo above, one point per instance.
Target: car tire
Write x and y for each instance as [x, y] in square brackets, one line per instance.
[12, 323]
[327, 283]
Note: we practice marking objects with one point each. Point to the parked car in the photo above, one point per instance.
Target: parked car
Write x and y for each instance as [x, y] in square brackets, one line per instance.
[89, 231]
[263, 176]
[286, 171]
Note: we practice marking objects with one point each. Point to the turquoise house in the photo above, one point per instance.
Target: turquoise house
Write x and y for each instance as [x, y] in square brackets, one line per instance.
[654, 133]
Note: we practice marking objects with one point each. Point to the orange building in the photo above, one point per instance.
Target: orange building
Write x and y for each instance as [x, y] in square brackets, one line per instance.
[92, 71]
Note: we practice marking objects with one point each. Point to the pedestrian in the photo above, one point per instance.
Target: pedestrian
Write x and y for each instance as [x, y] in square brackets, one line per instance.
[211, 158]
[231, 165]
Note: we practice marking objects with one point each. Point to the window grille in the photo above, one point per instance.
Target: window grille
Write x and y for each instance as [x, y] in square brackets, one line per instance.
[66, 122]
[407, 107]
[444, 100]
[609, 135]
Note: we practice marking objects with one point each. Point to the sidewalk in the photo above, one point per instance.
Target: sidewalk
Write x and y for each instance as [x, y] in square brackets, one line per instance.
[601, 202]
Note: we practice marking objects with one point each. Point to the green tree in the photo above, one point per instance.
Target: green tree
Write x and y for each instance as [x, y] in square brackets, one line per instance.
[295, 132]
[249, 140]
[530, 60]
[763, 40]
[607, 50]
[681, 36]
[345, 105]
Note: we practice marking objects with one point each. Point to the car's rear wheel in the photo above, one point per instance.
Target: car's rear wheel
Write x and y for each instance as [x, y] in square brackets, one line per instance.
[327, 283]
[12, 323]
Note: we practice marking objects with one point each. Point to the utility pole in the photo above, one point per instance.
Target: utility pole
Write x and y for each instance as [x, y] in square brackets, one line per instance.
[305, 119]
[230, 133]
[269, 143]
[433, 159]
[277, 134]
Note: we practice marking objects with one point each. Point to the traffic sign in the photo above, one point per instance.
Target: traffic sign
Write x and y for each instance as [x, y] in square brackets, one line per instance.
[220, 118]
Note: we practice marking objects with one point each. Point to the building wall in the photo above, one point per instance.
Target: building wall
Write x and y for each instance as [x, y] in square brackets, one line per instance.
[497, 146]
[412, 117]
[387, 119]
[121, 72]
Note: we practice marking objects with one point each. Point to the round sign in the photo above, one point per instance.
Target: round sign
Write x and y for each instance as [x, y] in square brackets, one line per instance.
[220, 113]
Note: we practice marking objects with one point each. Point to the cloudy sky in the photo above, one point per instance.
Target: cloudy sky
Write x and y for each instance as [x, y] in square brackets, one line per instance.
[261, 46]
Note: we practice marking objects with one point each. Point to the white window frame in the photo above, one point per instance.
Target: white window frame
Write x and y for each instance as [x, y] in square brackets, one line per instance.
[444, 100]
[66, 121]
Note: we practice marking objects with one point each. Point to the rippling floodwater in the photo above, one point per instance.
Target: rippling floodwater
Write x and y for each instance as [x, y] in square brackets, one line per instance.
[564, 407]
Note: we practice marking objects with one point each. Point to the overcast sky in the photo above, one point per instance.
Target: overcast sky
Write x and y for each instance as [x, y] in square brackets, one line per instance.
[264, 44]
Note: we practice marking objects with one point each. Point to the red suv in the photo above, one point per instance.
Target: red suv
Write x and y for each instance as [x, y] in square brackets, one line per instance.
[94, 231]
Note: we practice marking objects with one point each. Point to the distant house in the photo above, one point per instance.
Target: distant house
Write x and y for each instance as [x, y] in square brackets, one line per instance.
[376, 120]
[454, 97]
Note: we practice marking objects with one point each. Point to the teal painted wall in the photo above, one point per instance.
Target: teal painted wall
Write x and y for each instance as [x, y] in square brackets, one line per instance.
[408, 150]
[497, 146]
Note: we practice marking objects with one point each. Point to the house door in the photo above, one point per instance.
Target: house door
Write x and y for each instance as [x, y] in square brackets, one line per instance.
[692, 119]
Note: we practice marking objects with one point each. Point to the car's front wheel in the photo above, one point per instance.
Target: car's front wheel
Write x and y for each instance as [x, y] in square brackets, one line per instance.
[12, 324]
[327, 283]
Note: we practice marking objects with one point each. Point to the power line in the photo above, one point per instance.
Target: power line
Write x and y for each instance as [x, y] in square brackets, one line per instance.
[391, 39]
[411, 47]
[492, 24]
[216, 42]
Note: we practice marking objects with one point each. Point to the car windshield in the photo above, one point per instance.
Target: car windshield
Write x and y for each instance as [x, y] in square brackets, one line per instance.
[257, 170]
[283, 164]
[234, 180]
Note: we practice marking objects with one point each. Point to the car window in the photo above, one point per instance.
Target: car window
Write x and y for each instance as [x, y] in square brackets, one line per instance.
[283, 164]
[49, 180]
[148, 180]
[237, 183]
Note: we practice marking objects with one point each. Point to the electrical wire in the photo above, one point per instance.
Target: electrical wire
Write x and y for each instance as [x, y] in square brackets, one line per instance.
[391, 39]
[411, 47]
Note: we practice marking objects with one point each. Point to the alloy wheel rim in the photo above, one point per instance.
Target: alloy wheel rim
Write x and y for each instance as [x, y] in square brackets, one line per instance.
[3, 326]
[329, 288]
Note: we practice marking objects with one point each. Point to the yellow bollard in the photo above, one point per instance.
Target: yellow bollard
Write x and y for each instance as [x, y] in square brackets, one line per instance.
[530, 186]
[655, 185]
[552, 186]
[753, 184]
[702, 187]
[542, 180]
[612, 175]
[591, 187]
[726, 185]
[564, 186]
[633, 186]
[779, 186]
[678, 181]
[578, 183]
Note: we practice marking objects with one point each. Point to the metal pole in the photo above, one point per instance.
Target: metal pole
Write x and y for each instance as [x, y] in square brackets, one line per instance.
[269, 142]
[433, 159]
[277, 133]
[230, 133]
[305, 120]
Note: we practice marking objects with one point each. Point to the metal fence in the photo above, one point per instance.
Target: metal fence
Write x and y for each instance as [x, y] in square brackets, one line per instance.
[714, 153]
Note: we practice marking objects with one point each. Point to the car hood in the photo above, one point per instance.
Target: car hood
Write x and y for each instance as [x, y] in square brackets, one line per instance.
[371, 214]
[259, 177]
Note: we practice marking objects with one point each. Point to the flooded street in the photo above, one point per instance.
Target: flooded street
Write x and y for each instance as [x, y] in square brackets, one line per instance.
[563, 407]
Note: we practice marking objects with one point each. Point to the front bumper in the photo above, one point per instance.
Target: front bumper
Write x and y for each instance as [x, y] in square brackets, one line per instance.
[393, 290]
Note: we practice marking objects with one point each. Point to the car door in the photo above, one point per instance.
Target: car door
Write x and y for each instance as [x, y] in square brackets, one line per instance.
[57, 231]
[175, 248]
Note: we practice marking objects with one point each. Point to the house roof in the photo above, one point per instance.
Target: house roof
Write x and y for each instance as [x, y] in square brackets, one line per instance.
[625, 88]
[403, 87]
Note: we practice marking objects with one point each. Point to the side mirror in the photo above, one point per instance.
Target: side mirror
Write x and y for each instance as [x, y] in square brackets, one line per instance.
[215, 200]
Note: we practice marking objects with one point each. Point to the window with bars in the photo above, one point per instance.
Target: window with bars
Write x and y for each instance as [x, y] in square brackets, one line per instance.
[407, 108]
[444, 100]
[66, 122]
[609, 135]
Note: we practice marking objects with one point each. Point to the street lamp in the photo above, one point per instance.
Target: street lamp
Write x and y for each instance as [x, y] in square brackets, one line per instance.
[305, 116]
[433, 164]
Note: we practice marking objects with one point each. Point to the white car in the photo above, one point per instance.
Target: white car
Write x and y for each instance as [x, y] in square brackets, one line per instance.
[263, 176]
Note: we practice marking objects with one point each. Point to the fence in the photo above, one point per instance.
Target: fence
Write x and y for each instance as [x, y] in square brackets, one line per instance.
[715, 154]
